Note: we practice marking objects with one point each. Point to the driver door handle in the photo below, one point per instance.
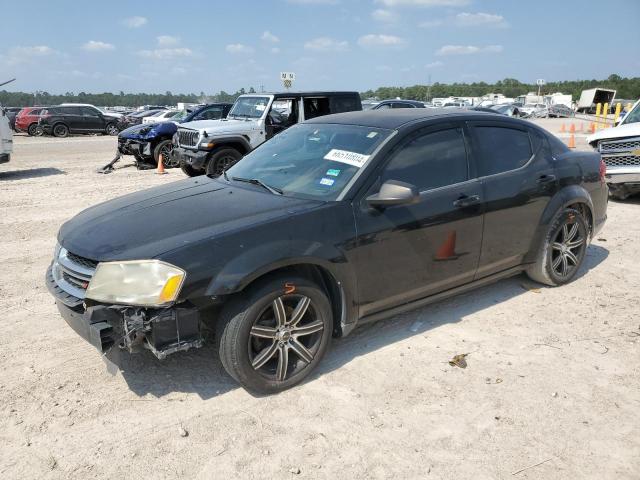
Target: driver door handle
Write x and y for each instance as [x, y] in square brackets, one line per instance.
[546, 178]
[466, 201]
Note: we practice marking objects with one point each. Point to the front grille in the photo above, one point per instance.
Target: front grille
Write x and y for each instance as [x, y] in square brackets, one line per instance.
[622, 160]
[85, 262]
[620, 146]
[72, 274]
[188, 138]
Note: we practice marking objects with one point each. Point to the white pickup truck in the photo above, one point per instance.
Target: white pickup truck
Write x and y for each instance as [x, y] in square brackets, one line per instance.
[6, 138]
[620, 150]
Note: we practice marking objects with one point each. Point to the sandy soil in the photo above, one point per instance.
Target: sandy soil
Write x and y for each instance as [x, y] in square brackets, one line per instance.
[553, 375]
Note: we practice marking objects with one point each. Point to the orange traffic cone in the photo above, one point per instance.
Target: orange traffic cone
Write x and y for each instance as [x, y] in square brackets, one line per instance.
[160, 170]
[572, 128]
[563, 128]
[572, 141]
[592, 127]
[447, 251]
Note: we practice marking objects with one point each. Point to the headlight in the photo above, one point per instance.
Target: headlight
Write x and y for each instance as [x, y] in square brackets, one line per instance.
[142, 282]
[206, 145]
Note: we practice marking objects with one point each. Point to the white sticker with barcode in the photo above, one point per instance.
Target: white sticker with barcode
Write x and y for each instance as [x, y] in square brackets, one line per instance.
[344, 156]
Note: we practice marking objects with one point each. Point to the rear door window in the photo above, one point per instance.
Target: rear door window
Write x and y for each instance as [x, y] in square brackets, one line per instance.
[402, 105]
[500, 149]
[70, 110]
[431, 160]
[316, 107]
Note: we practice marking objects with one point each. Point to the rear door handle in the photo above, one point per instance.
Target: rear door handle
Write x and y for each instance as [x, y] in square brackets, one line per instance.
[466, 201]
[546, 178]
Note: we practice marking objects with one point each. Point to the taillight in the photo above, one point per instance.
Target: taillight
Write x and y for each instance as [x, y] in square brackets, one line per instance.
[603, 170]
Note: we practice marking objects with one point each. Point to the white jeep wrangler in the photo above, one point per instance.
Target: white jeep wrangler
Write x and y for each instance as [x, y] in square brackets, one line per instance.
[212, 146]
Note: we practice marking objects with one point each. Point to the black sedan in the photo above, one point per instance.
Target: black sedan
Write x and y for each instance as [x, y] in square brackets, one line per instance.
[337, 221]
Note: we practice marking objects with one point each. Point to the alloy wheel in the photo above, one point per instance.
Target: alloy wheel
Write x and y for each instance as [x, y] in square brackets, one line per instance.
[566, 249]
[223, 163]
[167, 158]
[285, 337]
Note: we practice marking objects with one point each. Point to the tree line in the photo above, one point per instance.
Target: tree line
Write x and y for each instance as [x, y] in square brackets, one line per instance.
[627, 88]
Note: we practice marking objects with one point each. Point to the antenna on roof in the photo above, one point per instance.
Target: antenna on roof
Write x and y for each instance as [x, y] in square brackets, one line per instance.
[8, 81]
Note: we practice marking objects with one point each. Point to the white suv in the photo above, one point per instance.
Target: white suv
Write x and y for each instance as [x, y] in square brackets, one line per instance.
[212, 146]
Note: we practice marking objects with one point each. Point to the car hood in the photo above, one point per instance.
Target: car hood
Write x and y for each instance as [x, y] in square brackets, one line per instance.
[223, 126]
[151, 222]
[621, 131]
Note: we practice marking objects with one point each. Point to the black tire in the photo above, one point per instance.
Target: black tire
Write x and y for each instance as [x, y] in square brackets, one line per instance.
[249, 333]
[164, 147]
[563, 249]
[619, 192]
[111, 129]
[221, 160]
[60, 130]
[190, 171]
[32, 130]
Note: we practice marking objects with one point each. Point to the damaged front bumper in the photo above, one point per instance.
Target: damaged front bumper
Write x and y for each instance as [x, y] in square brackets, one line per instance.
[162, 330]
[138, 148]
[196, 159]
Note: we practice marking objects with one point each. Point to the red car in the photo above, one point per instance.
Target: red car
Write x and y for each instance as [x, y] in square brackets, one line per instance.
[27, 119]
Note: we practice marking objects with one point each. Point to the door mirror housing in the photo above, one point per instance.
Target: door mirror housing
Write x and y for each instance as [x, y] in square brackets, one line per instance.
[392, 193]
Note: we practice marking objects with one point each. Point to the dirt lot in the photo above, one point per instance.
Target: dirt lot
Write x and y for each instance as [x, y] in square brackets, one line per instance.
[552, 383]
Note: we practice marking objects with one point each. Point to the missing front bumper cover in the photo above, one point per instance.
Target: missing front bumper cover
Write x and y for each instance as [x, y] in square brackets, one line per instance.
[163, 331]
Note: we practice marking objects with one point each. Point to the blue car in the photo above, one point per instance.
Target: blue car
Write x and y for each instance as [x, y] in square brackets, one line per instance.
[146, 142]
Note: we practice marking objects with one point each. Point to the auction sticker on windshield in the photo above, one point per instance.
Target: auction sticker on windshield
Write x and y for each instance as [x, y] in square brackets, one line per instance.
[344, 156]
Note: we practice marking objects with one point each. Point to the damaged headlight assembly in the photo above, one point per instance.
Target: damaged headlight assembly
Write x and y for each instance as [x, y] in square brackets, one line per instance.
[146, 283]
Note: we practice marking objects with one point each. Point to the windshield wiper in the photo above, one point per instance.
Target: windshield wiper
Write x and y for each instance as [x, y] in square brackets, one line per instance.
[260, 183]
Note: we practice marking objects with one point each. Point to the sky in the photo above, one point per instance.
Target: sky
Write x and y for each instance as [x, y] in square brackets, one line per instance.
[188, 46]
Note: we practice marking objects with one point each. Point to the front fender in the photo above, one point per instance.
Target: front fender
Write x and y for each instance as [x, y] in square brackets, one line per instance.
[231, 139]
[243, 269]
[568, 195]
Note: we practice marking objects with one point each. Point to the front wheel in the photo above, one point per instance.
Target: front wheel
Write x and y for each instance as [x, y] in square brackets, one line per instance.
[563, 249]
[221, 161]
[189, 170]
[275, 334]
[165, 148]
[33, 129]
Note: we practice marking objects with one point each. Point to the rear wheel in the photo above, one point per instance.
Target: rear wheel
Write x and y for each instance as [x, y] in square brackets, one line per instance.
[275, 334]
[60, 130]
[111, 129]
[563, 249]
[221, 161]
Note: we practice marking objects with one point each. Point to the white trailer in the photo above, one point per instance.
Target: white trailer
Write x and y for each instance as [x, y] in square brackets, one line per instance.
[589, 98]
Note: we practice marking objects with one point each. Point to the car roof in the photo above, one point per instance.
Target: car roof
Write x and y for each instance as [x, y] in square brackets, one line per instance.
[300, 94]
[391, 100]
[396, 118]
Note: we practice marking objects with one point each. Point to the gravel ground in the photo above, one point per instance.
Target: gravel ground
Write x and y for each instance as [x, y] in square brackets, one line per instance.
[552, 383]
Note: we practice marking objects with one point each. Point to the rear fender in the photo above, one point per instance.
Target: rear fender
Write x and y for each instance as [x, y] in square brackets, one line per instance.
[569, 195]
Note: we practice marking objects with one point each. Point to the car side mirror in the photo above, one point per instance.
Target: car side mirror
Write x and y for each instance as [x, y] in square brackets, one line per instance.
[392, 193]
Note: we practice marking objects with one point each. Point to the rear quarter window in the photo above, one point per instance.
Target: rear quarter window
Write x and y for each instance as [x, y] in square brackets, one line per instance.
[500, 149]
[344, 103]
